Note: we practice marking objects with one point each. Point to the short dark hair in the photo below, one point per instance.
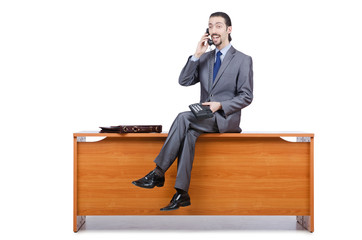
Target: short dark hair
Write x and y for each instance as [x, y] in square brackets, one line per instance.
[225, 17]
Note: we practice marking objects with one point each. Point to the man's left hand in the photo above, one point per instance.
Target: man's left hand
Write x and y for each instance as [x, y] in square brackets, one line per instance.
[214, 106]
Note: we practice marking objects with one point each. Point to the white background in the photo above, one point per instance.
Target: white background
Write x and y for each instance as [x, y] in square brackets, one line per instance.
[68, 66]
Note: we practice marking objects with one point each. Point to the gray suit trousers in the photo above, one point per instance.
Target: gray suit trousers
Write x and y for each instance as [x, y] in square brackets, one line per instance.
[180, 143]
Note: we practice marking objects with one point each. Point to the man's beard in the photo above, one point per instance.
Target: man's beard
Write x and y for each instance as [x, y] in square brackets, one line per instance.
[220, 41]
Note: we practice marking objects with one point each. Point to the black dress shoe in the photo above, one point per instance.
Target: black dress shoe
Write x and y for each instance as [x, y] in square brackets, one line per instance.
[178, 200]
[150, 181]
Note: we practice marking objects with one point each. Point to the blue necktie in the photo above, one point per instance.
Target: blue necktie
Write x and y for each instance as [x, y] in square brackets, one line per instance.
[217, 64]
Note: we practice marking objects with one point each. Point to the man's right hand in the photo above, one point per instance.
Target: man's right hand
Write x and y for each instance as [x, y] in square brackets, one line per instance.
[202, 46]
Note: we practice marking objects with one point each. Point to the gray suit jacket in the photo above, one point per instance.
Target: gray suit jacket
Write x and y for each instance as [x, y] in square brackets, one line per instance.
[233, 86]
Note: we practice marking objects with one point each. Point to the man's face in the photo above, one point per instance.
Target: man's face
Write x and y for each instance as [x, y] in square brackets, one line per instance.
[219, 32]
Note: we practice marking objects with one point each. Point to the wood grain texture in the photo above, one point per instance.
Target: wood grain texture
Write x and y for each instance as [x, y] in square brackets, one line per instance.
[249, 175]
[209, 135]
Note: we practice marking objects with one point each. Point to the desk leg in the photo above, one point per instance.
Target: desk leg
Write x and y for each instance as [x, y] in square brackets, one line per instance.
[305, 221]
[308, 221]
[78, 221]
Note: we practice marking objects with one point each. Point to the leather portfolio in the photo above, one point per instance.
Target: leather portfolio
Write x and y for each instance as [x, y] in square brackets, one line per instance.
[132, 129]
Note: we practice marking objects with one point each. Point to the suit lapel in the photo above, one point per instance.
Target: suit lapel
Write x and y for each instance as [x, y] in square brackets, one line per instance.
[227, 59]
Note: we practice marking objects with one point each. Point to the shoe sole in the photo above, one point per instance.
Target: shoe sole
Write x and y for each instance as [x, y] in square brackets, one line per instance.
[150, 187]
[184, 204]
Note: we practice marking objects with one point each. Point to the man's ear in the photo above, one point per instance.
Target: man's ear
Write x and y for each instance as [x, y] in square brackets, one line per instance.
[229, 29]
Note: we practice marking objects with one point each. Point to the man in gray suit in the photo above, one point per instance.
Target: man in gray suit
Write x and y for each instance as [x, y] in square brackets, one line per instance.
[226, 80]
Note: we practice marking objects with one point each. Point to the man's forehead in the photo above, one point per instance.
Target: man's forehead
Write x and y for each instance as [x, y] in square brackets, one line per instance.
[216, 20]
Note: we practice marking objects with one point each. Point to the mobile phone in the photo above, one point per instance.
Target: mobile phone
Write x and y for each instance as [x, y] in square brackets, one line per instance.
[209, 41]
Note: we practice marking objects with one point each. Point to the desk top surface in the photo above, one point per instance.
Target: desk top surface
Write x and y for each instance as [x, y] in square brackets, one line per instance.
[212, 135]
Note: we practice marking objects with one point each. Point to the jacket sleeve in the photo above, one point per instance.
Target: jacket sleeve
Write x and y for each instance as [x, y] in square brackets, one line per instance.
[190, 73]
[244, 89]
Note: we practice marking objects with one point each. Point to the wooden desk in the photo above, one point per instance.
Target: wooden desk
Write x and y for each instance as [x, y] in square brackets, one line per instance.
[233, 174]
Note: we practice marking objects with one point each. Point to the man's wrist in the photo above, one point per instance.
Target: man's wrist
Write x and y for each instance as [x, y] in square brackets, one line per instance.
[194, 58]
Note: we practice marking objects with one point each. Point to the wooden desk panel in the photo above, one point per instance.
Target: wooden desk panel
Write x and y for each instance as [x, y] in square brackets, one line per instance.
[233, 174]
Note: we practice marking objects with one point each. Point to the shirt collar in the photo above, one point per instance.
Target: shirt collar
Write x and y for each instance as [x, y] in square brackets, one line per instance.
[224, 50]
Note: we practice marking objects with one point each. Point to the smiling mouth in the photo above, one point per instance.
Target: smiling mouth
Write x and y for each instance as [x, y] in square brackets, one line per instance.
[215, 37]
